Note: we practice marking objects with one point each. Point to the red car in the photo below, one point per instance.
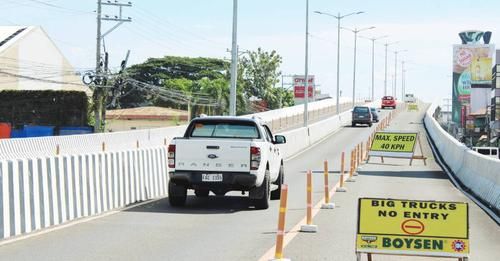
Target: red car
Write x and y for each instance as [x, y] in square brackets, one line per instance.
[388, 101]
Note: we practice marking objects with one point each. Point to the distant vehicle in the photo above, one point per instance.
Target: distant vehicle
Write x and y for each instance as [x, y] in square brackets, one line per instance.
[388, 101]
[374, 112]
[409, 98]
[492, 152]
[222, 154]
[362, 115]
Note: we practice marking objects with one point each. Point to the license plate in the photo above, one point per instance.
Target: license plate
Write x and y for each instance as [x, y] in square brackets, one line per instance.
[211, 177]
[361, 116]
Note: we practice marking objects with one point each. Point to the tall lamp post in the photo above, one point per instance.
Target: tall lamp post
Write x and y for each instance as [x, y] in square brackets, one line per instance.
[234, 61]
[306, 76]
[356, 31]
[385, 77]
[373, 39]
[396, 70]
[338, 17]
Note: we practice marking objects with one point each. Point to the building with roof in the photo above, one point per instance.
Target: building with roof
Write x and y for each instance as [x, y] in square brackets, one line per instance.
[29, 60]
[144, 118]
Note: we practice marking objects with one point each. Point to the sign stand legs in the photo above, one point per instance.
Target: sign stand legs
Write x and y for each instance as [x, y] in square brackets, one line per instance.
[421, 156]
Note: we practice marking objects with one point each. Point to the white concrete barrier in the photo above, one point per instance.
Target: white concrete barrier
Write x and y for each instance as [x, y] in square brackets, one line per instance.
[478, 173]
[43, 192]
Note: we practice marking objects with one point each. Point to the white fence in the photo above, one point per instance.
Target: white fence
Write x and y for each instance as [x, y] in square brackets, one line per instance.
[479, 173]
[40, 189]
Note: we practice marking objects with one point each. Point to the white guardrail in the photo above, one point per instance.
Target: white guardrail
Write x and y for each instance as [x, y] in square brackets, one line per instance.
[478, 173]
[40, 189]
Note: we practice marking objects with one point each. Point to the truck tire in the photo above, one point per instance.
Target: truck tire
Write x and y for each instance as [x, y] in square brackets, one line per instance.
[276, 194]
[201, 193]
[263, 202]
[176, 195]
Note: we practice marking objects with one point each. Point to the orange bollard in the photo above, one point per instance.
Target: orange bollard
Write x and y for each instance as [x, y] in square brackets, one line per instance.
[325, 172]
[362, 158]
[58, 149]
[278, 254]
[358, 156]
[309, 198]
[327, 204]
[342, 164]
[367, 150]
[103, 146]
[351, 168]
[309, 227]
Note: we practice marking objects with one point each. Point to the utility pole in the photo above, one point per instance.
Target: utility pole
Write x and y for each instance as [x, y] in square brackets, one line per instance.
[234, 61]
[99, 95]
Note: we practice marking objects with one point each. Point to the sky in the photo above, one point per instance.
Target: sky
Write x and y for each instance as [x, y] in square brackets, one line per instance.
[427, 29]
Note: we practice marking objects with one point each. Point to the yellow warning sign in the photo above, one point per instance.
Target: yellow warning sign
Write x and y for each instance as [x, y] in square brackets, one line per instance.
[412, 107]
[394, 144]
[412, 227]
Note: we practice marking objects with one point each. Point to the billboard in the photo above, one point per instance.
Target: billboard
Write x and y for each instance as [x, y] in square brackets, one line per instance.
[471, 68]
[299, 88]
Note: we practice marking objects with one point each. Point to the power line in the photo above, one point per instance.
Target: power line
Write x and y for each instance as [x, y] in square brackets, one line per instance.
[48, 4]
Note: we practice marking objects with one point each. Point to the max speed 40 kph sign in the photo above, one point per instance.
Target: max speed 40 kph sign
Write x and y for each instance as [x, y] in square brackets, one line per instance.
[412, 227]
[394, 144]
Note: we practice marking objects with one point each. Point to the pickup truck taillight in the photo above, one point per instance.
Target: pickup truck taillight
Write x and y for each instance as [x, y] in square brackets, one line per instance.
[254, 158]
[171, 156]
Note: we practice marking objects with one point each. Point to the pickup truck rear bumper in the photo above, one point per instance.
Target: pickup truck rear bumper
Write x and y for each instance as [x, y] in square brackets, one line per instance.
[230, 180]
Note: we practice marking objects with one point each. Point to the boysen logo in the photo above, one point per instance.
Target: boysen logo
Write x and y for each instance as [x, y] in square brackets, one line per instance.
[412, 243]
[458, 245]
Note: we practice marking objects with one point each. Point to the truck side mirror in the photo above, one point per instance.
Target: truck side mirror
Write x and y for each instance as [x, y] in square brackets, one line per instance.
[279, 139]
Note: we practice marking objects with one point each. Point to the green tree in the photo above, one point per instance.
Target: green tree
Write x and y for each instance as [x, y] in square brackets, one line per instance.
[173, 73]
[259, 73]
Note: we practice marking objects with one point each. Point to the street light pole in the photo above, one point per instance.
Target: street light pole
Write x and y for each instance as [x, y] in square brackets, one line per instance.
[306, 80]
[356, 31]
[338, 65]
[373, 63]
[338, 17]
[396, 71]
[234, 61]
[403, 91]
[385, 74]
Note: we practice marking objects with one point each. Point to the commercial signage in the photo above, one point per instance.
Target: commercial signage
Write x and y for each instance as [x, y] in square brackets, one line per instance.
[472, 65]
[413, 227]
[393, 144]
[299, 88]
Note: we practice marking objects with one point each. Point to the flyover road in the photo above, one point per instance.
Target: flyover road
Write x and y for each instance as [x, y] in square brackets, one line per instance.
[225, 228]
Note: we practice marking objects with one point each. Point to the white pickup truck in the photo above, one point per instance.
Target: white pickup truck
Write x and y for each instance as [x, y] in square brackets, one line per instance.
[222, 154]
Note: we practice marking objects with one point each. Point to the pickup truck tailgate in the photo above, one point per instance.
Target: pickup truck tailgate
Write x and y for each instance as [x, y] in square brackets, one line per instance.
[212, 155]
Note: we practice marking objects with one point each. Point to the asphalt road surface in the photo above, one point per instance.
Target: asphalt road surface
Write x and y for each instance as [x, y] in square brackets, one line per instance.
[226, 228]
